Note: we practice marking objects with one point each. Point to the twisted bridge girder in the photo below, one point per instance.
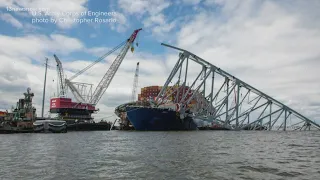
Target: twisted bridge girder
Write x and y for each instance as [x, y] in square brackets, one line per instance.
[224, 103]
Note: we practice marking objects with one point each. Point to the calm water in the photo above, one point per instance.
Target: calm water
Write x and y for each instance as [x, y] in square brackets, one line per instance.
[161, 155]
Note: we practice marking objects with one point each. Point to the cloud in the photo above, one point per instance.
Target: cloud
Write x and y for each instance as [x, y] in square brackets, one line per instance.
[132, 7]
[56, 9]
[98, 51]
[157, 19]
[141, 6]
[6, 3]
[25, 27]
[262, 43]
[152, 13]
[36, 46]
[162, 30]
[160, 27]
[17, 74]
[10, 19]
[121, 23]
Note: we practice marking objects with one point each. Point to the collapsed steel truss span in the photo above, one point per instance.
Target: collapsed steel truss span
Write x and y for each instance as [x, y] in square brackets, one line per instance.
[227, 100]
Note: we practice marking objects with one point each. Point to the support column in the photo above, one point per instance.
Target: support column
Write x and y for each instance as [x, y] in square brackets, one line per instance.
[227, 100]
[185, 77]
[182, 57]
[204, 88]
[204, 83]
[237, 105]
[270, 117]
[177, 100]
[285, 120]
[212, 86]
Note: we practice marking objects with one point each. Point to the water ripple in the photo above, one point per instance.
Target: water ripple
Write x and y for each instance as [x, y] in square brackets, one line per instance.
[161, 155]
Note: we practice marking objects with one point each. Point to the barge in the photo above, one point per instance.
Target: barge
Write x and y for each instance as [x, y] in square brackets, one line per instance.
[50, 126]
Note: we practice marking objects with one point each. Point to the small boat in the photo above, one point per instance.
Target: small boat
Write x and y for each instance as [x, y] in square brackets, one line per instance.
[53, 126]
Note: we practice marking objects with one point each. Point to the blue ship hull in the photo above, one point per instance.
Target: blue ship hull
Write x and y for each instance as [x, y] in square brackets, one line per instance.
[155, 119]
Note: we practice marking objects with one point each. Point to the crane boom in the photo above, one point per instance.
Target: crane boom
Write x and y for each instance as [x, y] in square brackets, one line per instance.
[135, 83]
[62, 90]
[75, 91]
[96, 61]
[107, 78]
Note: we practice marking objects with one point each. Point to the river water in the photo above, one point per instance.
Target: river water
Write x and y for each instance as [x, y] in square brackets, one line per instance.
[161, 155]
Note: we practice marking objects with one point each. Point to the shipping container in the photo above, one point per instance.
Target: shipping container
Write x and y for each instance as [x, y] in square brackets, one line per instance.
[3, 113]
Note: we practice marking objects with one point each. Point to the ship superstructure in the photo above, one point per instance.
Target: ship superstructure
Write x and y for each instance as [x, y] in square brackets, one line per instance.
[22, 116]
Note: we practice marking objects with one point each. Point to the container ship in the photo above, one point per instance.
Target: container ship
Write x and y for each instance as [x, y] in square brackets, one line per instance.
[158, 119]
[144, 117]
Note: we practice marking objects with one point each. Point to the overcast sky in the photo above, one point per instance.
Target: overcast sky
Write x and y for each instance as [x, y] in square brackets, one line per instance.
[272, 45]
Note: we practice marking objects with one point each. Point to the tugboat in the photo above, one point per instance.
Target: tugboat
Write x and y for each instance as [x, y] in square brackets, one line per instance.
[22, 117]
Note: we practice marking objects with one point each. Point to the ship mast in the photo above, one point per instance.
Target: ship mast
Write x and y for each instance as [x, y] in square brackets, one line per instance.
[44, 87]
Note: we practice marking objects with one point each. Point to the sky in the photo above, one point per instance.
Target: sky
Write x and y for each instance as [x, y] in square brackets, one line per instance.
[272, 45]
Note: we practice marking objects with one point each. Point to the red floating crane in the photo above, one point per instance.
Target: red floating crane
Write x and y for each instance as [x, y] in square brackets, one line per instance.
[85, 99]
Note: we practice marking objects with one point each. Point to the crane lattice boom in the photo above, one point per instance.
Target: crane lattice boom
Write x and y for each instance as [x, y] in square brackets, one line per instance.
[75, 91]
[98, 60]
[107, 78]
[135, 83]
[62, 90]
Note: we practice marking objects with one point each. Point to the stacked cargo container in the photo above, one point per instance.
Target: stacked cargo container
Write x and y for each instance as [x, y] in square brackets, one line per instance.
[153, 91]
[2, 115]
[149, 92]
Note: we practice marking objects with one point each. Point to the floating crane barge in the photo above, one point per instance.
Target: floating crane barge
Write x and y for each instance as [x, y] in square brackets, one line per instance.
[78, 114]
